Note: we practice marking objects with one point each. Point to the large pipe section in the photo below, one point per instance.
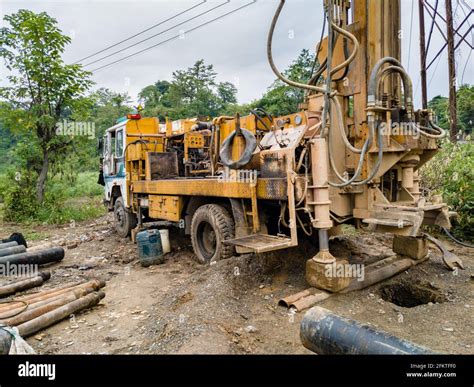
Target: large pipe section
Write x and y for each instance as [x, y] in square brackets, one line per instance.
[28, 328]
[15, 237]
[326, 333]
[12, 250]
[5, 245]
[28, 283]
[34, 300]
[42, 257]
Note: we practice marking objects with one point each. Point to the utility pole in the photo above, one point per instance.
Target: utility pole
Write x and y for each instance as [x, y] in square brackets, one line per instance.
[453, 127]
[424, 92]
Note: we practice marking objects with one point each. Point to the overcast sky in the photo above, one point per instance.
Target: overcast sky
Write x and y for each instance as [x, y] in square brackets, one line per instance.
[235, 44]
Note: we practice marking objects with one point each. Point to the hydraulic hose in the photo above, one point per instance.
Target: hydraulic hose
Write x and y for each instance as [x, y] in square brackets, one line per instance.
[272, 63]
[352, 56]
[338, 108]
[372, 88]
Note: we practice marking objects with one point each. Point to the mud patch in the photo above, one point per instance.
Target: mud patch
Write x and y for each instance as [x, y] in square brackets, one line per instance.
[409, 295]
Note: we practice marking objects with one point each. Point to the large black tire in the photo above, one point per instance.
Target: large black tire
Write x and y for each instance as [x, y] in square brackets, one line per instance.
[125, 221]
[210, 227]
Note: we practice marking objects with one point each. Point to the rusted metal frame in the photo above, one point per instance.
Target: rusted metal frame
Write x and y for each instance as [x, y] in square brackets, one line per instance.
[436, 13]
[423, 50]
[463, 39]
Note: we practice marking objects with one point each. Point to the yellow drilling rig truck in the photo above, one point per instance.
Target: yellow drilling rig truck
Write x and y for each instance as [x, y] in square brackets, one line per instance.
[258, 183]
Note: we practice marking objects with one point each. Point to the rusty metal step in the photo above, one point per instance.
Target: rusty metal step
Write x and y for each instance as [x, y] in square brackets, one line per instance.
[261, 243]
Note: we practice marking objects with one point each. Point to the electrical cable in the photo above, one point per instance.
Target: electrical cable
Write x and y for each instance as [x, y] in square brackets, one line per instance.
[142, 32]
[158, 34]
[176, 36]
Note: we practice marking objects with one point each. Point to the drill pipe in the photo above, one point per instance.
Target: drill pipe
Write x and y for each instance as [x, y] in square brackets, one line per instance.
[12, 250]
[16, 237]
[45, 306]
[5, 245]
[41, 257]
[28, 283]
[47, 319]
[19, 303]
[326, 333]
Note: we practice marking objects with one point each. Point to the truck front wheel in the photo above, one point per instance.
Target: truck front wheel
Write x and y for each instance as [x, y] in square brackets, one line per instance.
[125, 220]
[210, 227]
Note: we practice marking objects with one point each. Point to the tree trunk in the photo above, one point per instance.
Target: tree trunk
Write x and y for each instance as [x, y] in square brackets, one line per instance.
[40, 184]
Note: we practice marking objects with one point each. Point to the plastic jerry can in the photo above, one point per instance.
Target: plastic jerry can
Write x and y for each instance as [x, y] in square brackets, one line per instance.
[150, 250]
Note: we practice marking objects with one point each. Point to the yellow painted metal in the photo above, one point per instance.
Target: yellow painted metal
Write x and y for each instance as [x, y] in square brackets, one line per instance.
[165, 207]
[194, 140]
[269, 189]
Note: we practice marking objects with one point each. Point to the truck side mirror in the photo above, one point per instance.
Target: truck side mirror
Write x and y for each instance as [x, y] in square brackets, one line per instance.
[100, 144]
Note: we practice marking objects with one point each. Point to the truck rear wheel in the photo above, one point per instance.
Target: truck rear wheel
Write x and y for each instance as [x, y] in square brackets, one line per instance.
[125, 220]
[210, 227]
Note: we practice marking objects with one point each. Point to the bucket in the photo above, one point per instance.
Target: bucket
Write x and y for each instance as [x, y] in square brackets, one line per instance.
[150, 250]
[165, 241]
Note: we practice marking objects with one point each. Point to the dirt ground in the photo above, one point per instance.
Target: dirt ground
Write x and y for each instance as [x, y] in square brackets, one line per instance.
[231, 307]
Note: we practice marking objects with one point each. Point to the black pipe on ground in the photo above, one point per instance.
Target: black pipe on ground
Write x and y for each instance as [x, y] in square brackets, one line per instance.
[16, 237]
[41, 257]
[6, 245]
[326, 333]
[12, 250]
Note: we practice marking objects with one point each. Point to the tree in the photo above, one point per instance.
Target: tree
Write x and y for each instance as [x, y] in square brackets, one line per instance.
[465, 105]
[41, 86]
[193, 92]
[281, 99]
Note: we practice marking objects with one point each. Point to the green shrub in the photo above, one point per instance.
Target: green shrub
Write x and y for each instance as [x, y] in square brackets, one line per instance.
[64, 201]
[451, 174]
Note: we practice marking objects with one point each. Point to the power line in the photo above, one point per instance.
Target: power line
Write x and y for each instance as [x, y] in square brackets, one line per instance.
[465, 67]
[142, 32]
[434, 72]
[176, 36]
[159, 33]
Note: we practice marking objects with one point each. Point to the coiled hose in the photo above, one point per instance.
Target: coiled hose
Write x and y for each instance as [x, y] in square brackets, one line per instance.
[226, 149]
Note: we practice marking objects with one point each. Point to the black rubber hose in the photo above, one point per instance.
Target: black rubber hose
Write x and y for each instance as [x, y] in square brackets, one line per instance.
[465, 244]
[226, 150]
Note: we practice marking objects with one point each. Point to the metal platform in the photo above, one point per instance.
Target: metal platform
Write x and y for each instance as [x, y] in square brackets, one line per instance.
[261, 243]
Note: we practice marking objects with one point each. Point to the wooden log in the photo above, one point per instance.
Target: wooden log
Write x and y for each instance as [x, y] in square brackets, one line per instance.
[37, 324]
[28, 283]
